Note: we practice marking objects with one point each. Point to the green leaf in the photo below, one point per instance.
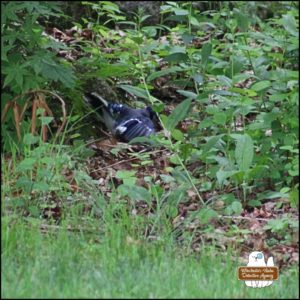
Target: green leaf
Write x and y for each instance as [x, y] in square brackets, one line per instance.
[262, 85]
[278, 97]
[180, 11]
[178, 114]
[244, 152]
[124, 174]
[27, 164]
[220, 118]
[205, 53]
[57, 72]
[41, 186]
[117, 70]
[133, 90]
[24, 183]
[136, 193]
[176, 57]
[242, 20]
[212, 142]
[187, 37]
[163, 72]
[8, 79]
[237, 207]
[290, 25]
[177, 134]
[222, 175]
[206, 214]
[181, 176]
[187, 94]
[30, 139]
[127, 177]
[198, 78]
[46, 120]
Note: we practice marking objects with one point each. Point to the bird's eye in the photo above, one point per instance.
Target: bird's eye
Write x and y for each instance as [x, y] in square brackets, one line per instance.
[259, 255]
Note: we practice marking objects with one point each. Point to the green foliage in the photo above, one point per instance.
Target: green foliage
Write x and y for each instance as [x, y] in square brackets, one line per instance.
[28, 53]
[27, 60]
[240, 86]
[224, 83]
[40, 174]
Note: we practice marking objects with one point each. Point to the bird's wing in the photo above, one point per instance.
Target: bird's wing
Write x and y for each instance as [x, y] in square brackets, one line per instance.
[106, 111]
[134, 127]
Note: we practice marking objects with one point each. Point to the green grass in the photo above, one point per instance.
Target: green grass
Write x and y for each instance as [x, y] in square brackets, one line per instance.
[64, 264]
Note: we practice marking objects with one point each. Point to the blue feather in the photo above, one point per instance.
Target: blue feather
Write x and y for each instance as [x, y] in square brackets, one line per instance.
[123, 121]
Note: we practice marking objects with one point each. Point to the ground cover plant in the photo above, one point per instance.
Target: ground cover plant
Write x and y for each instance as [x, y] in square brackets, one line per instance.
[84, 215]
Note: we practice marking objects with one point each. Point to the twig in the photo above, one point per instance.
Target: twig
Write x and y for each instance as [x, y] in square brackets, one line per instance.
[252, 218]
[46, 227]
[245, 218]
[117, 163]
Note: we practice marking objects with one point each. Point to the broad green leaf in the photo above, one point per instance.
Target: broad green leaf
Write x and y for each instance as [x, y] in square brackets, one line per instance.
[174, 159]
[244, 152]
[110, 6]
[167, 178]
[136, 193]
[206, 214]
[187, 37]
[180, 11]
[225, 80]
[205, 53]
[127, 177]
[195, 22]
[220, 118]
[124, 174]
[222, 175]
[136, 91]
[198, 78]
[46, 120]
[176, 195]
[177, 134]
[113, 70]
[176, 57]
[261, 85]
[163, 73]
[181, 176]
[212, 141]
[242, 20]
[187, 94]
[27, 164]
[237, 207]
[178, 114]
[24, 183]
[150, 31]
[290, 25]
[41, 186]
[149, 47]
[57, 72]
[30, 139]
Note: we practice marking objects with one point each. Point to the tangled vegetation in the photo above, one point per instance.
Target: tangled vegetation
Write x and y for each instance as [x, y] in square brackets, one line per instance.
[220, 175]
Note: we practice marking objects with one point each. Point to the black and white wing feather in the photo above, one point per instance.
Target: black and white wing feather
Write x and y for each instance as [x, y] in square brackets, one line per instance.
[123, 121]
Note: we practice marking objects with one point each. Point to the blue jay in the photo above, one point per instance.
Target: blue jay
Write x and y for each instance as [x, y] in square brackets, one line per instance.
[122, 121]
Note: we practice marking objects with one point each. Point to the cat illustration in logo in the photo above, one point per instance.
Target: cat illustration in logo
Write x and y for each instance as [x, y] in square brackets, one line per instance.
[257, 259]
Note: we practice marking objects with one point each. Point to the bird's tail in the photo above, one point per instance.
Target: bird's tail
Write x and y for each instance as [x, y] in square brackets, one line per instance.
[100, 106]
[95, 100]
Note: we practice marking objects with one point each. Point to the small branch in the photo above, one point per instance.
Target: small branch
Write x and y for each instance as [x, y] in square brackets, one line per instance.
[245, 218]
